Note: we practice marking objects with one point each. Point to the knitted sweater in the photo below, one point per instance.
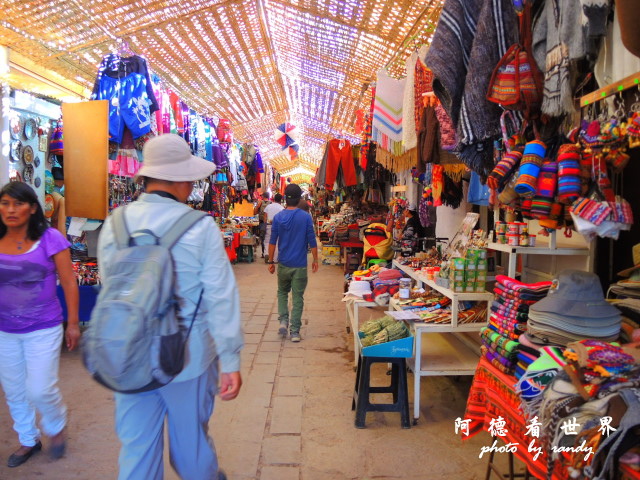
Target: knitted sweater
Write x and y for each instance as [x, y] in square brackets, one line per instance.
[471, 37]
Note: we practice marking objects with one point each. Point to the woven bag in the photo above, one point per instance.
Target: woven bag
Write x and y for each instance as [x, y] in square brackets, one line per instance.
[516, 81]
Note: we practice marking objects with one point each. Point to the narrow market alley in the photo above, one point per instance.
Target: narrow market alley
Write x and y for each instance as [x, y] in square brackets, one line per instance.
[293, 418]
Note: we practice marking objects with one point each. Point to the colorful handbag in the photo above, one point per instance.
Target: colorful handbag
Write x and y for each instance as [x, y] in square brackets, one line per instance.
[516, 82]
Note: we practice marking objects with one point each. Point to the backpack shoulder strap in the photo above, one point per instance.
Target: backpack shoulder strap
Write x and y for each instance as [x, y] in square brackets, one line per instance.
[120, 230]
[180, 227]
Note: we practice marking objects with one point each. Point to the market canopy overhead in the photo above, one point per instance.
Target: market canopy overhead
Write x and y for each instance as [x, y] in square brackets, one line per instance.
[257, 63]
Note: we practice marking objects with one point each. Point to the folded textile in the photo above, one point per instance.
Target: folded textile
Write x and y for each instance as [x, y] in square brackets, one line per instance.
[510, 313]
[495, 361]
[496, 328]
[510, 304]
[526, 357]
[512, 296]
[514, 284]
[510, 356]
[508, 345]
[523, 296]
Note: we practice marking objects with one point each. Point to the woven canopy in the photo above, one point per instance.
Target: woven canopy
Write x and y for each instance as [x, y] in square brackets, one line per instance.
[257, 63]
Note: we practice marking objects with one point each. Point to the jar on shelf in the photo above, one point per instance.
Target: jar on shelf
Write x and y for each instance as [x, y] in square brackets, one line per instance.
[404, 292]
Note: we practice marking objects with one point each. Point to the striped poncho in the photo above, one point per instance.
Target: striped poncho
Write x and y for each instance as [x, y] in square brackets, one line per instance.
[471, 38]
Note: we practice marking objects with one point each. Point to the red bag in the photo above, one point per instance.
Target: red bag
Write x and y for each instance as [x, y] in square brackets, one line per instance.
[516, 82]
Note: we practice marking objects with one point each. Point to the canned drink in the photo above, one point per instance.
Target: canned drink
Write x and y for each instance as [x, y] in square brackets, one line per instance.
[524, 240]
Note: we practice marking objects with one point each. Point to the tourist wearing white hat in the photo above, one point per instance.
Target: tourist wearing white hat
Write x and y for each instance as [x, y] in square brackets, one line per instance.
[212, 361]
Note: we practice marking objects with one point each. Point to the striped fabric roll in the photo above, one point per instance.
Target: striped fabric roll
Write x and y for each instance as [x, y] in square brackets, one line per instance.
[569, 173]
[530, 165]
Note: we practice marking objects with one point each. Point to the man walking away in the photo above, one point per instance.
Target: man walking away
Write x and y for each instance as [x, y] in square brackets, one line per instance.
[212, 360]
[292, 231]
[270, 212]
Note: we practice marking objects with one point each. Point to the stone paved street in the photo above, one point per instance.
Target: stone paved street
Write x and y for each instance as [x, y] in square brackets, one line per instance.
[293, 418]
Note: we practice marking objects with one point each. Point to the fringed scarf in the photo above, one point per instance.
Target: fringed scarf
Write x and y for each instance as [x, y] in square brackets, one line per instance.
[409, 133]
[387, 113]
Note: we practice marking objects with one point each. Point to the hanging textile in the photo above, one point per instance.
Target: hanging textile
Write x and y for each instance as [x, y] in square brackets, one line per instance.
[423, 84]
[409, 133]
[387, 117]
[471, 37]
[115, 66]
[339, 156]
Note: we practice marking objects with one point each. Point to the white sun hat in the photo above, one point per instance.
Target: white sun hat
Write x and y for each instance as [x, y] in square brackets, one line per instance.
[168, 157]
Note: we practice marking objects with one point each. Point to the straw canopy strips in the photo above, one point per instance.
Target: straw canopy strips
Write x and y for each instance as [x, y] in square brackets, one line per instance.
[259, 63]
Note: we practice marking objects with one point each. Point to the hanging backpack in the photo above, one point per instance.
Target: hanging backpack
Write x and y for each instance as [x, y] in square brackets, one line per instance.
[136, 340]
[516, 82]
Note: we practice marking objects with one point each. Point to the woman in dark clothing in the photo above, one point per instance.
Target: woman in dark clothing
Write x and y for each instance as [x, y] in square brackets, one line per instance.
[412, 231]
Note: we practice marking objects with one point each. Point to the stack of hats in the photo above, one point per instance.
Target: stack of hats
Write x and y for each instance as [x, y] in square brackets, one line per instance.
[630, 286]
[508, 321]
[575, 309]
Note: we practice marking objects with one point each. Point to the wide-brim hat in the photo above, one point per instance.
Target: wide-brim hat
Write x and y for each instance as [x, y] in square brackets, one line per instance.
[576, 294]
[636, 261]
[168, 157]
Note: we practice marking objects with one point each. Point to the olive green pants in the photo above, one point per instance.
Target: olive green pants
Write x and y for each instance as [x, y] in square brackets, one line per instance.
[294, 280]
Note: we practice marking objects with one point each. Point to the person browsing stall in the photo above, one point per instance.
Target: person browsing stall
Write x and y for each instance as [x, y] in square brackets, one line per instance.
[212, 360]
[31, 331]
[292, 231]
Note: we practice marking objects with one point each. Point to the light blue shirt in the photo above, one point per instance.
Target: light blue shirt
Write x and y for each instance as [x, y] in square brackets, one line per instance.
[201, 262]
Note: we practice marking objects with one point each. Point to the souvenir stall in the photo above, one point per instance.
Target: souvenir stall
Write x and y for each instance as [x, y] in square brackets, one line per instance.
[555, 387]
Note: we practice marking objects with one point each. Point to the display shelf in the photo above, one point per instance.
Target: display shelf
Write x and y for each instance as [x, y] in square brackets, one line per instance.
[448, 351]
[551, 249]
[443, 354]
[447, 292]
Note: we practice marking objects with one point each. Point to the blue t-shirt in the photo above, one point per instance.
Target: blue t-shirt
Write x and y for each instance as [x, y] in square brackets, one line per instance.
[292, 231]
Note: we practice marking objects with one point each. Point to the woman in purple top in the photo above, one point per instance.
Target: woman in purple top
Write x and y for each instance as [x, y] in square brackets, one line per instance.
[31, 329]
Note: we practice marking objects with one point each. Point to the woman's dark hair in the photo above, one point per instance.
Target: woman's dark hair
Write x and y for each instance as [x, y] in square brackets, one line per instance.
[24, 193]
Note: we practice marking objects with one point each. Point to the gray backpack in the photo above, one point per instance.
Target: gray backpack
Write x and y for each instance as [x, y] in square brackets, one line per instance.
[136, 340]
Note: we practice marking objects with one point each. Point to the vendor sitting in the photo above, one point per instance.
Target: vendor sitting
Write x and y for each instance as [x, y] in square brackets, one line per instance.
[411, 232]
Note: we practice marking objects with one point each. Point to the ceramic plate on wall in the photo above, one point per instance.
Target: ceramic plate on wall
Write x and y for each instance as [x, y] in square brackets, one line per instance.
[16, 150]
[15, 126]
[30, 128]
[27, 173]
[27, 154]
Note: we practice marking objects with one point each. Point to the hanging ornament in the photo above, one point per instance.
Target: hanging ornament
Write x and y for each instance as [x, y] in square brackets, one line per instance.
[286, 135]
[293, 151]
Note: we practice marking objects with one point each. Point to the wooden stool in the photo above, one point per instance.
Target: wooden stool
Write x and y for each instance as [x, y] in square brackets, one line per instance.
[398, 389]
[510, 475]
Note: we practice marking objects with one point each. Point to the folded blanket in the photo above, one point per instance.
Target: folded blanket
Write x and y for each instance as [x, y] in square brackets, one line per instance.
[512, 296]
[496, 328]
[514, 284]
[521, 294]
